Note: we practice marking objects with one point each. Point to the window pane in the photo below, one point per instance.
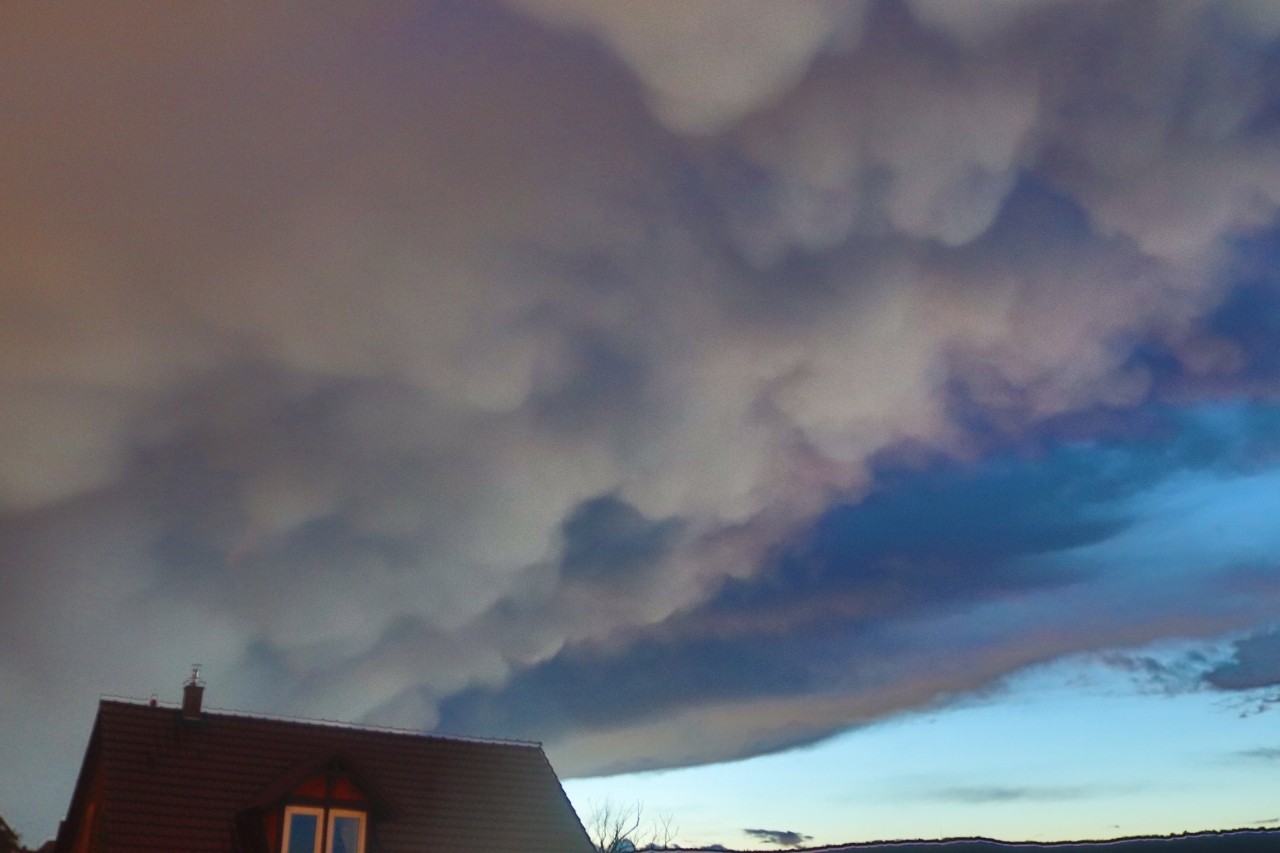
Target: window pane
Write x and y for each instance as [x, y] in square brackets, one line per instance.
[346, 834]
[303, 829]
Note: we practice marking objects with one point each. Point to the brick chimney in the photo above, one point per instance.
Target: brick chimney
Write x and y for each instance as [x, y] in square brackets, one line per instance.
[192, 694]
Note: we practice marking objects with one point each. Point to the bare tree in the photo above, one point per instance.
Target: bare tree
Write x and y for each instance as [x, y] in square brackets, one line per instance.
[622, 828]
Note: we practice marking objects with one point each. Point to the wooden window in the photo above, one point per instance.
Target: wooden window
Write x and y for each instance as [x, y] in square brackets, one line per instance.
[311, 829]
[302, 826]
[346, 831]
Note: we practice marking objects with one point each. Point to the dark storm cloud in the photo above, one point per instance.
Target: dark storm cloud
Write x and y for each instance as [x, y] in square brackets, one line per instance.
[942, 534]
[1255, 663]
[592, 690]
[1249, 317]
[824, 617]
[1249, 667]
[816, 617]
[401, 362]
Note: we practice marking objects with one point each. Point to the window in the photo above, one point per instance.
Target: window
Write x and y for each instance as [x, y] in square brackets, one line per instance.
[302, 830]
[309, 829]
[346, 831]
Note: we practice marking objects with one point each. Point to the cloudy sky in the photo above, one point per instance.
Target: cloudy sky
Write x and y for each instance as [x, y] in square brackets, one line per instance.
[841, 419]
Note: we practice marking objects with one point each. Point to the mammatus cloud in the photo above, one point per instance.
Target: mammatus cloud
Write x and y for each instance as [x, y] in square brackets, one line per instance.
[914, 594]
[780, 837]
[705, 64]
[396, 363]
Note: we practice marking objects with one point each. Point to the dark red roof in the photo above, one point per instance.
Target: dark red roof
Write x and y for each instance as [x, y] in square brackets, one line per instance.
[174, 784]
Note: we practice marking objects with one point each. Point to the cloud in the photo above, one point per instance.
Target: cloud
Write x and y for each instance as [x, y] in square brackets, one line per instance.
[823, 616]
[399, 364]
[1260, 754]
[1256, 663]
[933, 585]
[1171, 677]
[781, 837]
[1242, 668]
[605, 537]
[980, 795]
[704, 64]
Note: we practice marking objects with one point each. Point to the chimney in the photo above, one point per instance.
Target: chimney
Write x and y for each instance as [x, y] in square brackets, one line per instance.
[192, 693]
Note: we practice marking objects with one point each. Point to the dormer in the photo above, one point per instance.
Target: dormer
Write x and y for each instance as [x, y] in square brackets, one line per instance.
[323, 806]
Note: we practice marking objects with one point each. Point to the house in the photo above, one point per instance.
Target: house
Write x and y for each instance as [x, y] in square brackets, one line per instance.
[8, 838]
[158, 777]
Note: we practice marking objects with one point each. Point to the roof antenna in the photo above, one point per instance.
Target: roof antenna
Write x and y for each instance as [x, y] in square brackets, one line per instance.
[192, 693]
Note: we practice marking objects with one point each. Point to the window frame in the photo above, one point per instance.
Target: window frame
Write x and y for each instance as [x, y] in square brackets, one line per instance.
[334, 814]
[325, 818]
[318, 812]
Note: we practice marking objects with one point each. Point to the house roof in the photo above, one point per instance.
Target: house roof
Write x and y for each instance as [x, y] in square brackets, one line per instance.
[174, 784]
[8, 838]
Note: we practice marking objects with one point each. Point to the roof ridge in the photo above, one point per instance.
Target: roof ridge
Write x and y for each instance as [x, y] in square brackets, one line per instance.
[317, 721]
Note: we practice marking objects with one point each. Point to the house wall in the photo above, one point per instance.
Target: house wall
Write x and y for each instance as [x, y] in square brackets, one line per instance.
[89, 830]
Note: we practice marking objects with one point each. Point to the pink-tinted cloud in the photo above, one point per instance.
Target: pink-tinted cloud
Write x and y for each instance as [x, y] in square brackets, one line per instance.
[323, 337]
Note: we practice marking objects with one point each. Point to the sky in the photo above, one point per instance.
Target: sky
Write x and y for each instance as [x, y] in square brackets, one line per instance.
[818, 421]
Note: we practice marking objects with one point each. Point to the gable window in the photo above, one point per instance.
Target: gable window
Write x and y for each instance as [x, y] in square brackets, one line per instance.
[313, 829]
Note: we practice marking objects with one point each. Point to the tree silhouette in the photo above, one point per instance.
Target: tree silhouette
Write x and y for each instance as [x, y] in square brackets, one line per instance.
[617, 828]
